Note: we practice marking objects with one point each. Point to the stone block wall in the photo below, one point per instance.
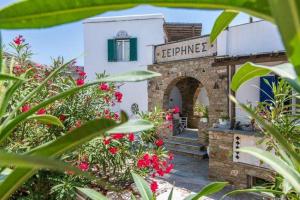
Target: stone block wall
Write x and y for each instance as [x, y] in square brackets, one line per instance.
[222, 167]
[189, 76]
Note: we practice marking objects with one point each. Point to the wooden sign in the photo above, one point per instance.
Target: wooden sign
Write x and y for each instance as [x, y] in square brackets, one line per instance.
[192, 48]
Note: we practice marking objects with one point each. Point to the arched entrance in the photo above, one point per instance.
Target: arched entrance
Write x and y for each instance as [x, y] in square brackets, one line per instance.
[186, 93]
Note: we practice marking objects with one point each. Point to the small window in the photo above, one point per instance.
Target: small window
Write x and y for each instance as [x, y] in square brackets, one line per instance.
[123, 49]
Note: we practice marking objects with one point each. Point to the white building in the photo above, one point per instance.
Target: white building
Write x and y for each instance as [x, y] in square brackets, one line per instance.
[119, 44]
[249, 39]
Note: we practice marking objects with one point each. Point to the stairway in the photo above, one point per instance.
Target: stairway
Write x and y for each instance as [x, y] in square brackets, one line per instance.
[187, 143]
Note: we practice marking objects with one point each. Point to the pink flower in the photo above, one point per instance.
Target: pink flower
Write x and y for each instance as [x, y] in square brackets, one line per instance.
[169, 117]
[116, 116]
[62, 117]
[154, 186]
[169, 168]
[131, 137]
[84, 166]
[104, 87]
[118, 136]
[79, 82]
[41, 111]
[106, 141]
[113, 150]
[81, 73]
[19, 40]
[176, 110]
[171, 127]
[171, 156]
[25, 108]
[159, 142]
[118, 96]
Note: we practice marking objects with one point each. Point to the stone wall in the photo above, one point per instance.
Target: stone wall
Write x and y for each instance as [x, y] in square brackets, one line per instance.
[190, 76]
[222, 167]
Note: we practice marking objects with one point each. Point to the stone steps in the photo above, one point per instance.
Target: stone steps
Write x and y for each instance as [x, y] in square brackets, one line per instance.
[186, 146]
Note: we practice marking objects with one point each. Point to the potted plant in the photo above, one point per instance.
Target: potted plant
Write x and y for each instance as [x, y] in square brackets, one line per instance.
[204, 116]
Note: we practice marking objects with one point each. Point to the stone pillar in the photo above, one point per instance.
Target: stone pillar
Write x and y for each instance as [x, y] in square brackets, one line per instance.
[203, 133]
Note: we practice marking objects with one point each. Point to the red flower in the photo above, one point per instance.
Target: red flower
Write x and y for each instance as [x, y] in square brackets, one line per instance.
[84, 166]
[118, 96]
[79, 82]
[41, 111]
[159, 142]
[118, 136]
[25, 108]
[160, 172]
[116, 116]
[131, 137]
[169, 117]
[169, 168]
[113, 150]
[62, 117]
[140, 163]
[106, 141]
[81, 73]
[176, 110]
[171, 127]
[19, 40]
[104, 87]
[154, 186]
[171, 156]
[106, 112]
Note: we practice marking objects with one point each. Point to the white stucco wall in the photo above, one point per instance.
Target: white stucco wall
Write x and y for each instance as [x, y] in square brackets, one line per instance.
[203, 98]
[251, 38]
[249, 93]
[148, 29]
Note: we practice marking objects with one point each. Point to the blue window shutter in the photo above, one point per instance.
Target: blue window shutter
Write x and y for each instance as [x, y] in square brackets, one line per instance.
[133, 49]
[266, 93]
[111, 50]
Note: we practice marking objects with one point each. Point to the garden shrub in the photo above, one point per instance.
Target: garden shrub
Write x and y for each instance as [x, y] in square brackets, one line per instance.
[111, 158]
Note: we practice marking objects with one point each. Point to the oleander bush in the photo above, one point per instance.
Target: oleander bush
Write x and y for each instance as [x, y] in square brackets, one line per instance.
[112, 157]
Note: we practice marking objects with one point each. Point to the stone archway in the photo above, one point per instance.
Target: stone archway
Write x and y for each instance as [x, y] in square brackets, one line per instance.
[188, 92]
[194, 75]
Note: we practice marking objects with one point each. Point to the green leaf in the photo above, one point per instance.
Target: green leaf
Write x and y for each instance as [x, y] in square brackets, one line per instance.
[53, 149]
[170, 197]
[4, 173]
[92, 194]
[256, 190]
[59, 146]
[289, 173]
[10, 125]
[250, 70]
[142, 186]
[131, 76]
[35, 162]
[46, 13]
[47, 119]
[221, 23]
[7, 77]
[287, 17]
[208, 190]
[132, 126]
[281, 140]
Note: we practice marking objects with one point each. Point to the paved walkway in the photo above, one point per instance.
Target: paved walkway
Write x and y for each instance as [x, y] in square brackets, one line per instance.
[190, 175]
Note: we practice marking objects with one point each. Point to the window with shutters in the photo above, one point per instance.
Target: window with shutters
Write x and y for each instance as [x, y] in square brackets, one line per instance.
[123, 48]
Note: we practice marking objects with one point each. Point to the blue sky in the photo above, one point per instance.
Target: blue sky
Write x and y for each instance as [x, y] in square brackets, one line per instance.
[67, 40]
